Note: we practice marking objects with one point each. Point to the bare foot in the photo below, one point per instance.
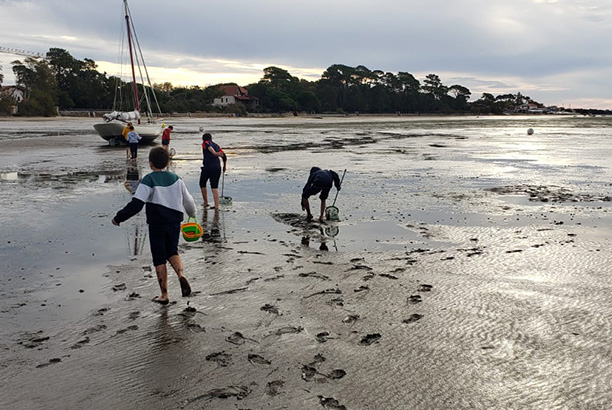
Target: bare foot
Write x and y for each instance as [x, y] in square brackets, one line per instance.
[160, 300]
[185, 288]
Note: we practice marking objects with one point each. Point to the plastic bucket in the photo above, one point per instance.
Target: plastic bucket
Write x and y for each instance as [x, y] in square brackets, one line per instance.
[192, 231]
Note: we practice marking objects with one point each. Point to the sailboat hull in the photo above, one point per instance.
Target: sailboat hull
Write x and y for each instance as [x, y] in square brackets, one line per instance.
[111, 132]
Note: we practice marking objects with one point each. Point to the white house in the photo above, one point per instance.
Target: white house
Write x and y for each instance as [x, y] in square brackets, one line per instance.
[233, 94]
[13, 91]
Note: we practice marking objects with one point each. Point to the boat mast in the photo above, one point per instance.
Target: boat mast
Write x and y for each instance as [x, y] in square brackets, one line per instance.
[129, 35]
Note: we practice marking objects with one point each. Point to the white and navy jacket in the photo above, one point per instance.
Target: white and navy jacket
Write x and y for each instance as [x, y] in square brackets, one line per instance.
[165, 195]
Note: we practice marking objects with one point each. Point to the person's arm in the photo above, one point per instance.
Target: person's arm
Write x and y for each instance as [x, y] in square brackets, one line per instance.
[188, 201]
[336, 181]
[224, 161]
[215, 153]
[131, 209]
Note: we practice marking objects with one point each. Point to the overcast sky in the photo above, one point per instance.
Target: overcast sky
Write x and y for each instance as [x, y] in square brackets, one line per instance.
[558, 52]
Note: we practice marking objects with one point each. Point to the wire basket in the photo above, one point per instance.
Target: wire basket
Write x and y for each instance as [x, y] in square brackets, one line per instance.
[332, 213]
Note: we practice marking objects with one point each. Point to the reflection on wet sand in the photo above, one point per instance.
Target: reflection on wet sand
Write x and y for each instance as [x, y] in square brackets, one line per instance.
[214, 229]
[132, 177]
[137, 234]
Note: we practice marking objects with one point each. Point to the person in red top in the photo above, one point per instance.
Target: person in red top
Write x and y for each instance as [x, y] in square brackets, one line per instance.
[166, 137]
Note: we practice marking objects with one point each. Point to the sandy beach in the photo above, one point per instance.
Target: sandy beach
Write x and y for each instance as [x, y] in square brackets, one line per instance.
[470, 269]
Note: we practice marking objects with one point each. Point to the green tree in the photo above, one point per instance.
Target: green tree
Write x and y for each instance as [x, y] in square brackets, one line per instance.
[339, 76]
[40, 85]
[433, 85]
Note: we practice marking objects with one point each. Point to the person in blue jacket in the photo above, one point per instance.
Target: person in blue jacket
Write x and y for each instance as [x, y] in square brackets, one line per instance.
[320, 180]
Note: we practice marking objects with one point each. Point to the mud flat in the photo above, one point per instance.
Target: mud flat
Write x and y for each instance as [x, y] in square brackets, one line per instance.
[466, 272]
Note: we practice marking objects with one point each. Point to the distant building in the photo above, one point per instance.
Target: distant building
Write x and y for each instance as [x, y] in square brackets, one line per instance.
[233, 94]
[530, 108]
[15, 92]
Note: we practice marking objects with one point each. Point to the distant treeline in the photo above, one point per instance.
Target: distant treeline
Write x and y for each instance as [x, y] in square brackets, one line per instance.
[60, 80]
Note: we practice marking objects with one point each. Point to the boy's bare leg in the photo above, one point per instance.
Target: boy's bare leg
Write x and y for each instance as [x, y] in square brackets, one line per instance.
[162, 279]
[204, 196]
[215, 193]
[177, 265]
[306, 207]
[322, 209]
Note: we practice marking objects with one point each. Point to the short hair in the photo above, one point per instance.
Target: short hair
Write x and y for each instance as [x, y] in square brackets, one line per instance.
[131, 127]
[171, 127]
[206, 137]
[159, 157]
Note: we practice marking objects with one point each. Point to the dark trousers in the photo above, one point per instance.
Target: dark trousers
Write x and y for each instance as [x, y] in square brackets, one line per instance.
[134, 149]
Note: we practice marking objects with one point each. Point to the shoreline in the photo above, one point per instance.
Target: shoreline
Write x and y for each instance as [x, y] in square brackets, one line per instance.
[97, 115]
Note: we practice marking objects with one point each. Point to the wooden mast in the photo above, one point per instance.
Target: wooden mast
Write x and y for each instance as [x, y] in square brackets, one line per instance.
[129, 35]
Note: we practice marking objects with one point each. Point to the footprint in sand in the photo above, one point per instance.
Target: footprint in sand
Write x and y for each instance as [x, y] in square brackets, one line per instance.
[274, 387]
[331, 403]
[239, 392]
[119, 287]
[323, 337]
[51, 361]
[257, 359]
[350, 319]
[94, 329]
[413, 318]
[425, 288]
[80, 343]
[238, 338]
[270, 309]
[194, 327]
[414, 299]
[221, 358]
[127, 329]
[370, 339]
[336, 302]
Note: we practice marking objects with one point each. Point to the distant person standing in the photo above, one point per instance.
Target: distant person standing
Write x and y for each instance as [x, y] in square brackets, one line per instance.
[166, 137]
[211, 168]
[125, 133]
[319, 180]
[133, 137]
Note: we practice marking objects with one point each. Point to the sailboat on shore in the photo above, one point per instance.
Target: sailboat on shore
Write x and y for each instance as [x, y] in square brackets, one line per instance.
[139, 102]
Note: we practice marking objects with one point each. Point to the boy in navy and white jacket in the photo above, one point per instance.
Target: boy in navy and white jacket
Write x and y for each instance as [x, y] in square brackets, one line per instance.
[165, 196]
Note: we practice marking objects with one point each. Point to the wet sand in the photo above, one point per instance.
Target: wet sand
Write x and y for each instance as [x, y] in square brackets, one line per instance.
[465, 272]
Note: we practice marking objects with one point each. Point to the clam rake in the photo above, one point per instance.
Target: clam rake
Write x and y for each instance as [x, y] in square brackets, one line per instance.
[224, 200]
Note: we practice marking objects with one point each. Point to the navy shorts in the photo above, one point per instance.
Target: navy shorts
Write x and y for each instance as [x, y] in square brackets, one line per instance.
[313, 190]
[165, 142]
[212, 174]
[164, 242]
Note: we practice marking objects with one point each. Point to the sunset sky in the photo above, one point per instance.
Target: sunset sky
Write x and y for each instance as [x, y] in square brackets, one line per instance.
[555, 51]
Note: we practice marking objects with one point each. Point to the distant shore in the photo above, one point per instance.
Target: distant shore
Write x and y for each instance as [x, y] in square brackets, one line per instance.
[98, 114]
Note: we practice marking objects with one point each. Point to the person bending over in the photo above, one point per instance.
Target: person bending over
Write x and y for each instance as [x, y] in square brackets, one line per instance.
[319, 181]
